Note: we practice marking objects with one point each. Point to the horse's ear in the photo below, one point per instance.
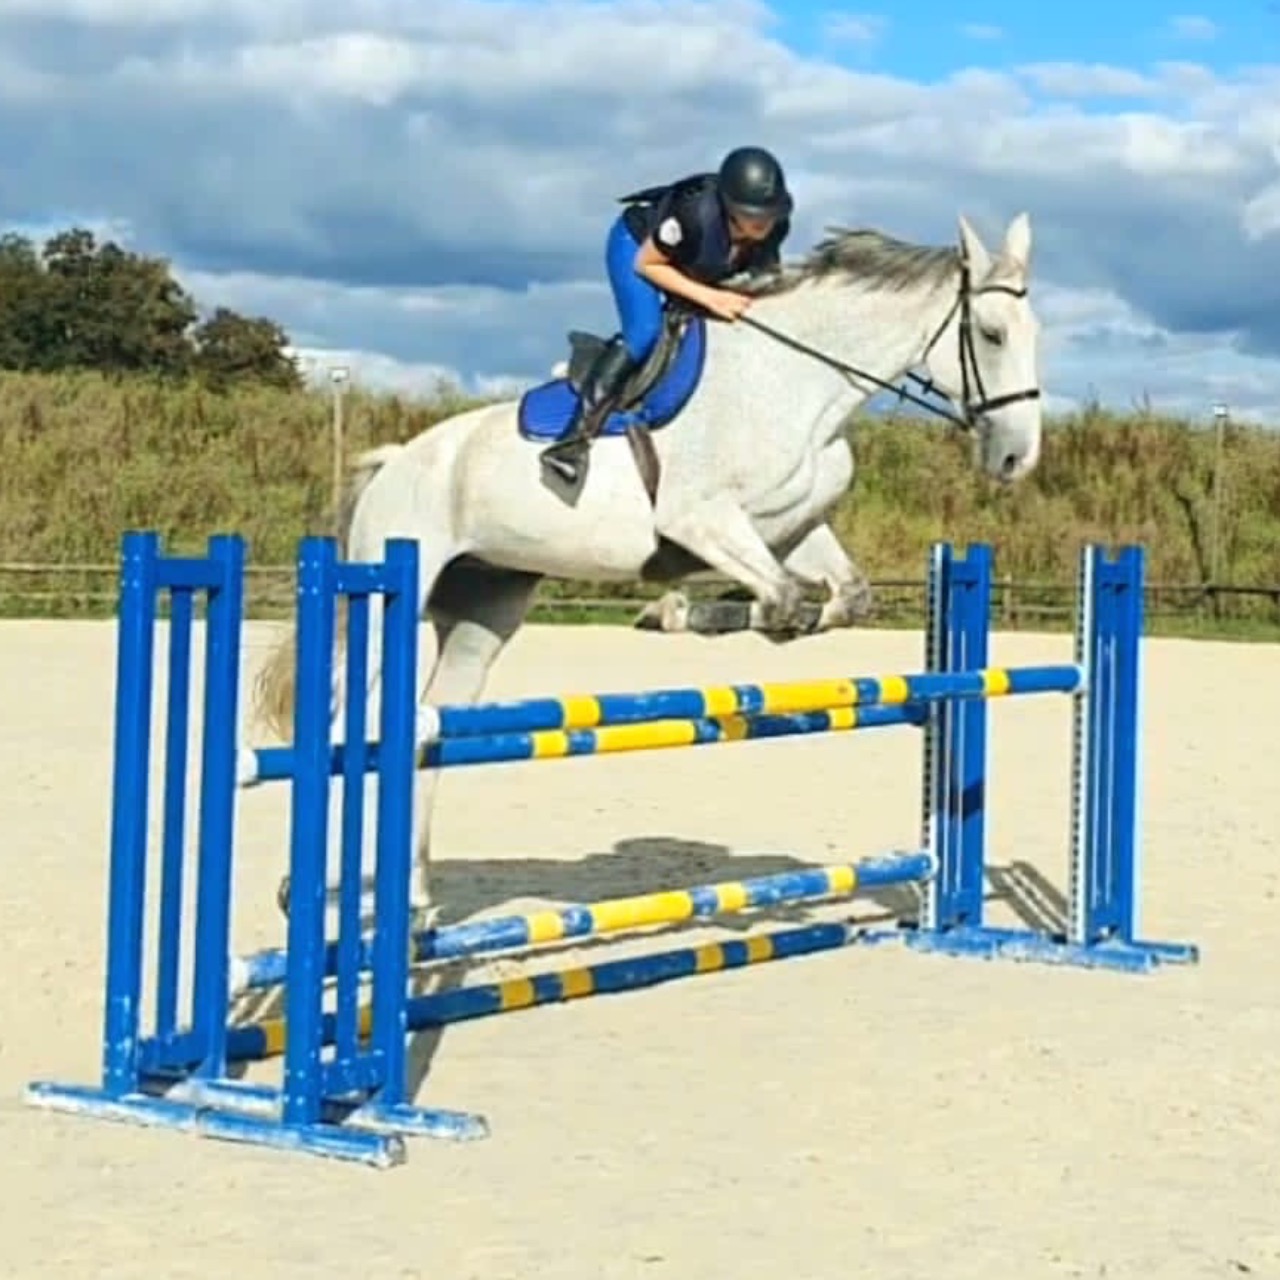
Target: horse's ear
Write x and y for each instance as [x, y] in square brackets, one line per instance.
[1017, 241]
[975, 252]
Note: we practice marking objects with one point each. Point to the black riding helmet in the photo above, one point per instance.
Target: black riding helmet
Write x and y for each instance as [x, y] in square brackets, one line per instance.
[752, 183]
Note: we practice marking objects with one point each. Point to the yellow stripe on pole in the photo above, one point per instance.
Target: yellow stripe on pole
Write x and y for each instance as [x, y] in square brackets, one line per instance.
[807, 695]
[580, 711]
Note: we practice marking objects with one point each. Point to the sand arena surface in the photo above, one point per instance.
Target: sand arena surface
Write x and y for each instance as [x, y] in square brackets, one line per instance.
[871, 1113]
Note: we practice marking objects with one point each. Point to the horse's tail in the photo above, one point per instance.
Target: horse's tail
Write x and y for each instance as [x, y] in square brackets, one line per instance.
[273, 690]
[359, 475]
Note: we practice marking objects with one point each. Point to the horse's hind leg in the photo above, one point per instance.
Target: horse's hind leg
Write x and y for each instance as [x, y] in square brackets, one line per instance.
[368, 687]
[476, 611]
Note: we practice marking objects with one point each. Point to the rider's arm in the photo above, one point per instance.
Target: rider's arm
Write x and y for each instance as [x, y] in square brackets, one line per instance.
[664, 252]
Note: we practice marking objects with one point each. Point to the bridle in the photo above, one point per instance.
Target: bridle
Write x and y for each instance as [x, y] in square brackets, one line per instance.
[971, 410]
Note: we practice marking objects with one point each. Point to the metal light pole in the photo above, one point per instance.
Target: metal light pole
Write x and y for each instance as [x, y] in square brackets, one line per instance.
[338, 378]
[1220, 418]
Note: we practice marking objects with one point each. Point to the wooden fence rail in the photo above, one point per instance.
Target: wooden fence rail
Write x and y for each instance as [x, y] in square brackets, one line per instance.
[29, 589]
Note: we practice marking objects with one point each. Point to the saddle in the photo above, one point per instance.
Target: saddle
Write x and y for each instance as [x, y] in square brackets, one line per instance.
[652, 395]
[584, 347]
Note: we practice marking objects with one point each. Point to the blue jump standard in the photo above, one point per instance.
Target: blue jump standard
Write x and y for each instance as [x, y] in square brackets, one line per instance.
[344, 1091]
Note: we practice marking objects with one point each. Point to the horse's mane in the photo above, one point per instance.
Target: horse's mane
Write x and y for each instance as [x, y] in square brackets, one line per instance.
[864, 255]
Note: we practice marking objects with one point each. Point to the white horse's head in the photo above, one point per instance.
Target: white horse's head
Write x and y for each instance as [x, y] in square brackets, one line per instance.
[986, 357]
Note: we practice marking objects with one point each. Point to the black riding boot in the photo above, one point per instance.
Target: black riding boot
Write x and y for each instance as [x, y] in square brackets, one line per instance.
[600, 387]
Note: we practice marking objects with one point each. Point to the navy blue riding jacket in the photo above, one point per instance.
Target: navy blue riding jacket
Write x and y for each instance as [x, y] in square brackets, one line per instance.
[690, 225]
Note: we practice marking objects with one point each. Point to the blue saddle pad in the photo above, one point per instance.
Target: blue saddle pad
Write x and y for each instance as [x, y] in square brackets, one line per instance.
[546, 410]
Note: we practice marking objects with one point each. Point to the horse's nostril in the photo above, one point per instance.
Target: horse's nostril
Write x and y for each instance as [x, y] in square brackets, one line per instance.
[1009, 465]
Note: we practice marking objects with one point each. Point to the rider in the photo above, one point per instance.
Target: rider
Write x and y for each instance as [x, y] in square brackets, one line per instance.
[682, 238]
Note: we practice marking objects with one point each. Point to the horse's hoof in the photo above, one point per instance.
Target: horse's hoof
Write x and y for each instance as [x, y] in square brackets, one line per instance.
[851, 606]
[670, 613]
[785, 611]
[423, 918]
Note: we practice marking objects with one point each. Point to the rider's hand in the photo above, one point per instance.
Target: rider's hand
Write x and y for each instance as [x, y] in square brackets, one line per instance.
[725, 304]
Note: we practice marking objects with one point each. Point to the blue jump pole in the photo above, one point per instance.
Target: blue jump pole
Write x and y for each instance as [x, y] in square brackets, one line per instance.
[365, 1075]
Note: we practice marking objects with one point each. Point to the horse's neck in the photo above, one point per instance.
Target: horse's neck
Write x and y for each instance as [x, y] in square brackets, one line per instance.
[884, 331]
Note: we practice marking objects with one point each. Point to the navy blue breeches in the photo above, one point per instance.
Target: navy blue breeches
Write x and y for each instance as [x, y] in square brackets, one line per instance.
[639, 303]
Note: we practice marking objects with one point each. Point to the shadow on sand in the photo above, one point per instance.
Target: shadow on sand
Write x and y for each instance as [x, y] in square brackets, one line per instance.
[470, 888]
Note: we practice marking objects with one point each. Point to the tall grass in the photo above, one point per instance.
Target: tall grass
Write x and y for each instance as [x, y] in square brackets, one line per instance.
[83, 457]
[1103, 477]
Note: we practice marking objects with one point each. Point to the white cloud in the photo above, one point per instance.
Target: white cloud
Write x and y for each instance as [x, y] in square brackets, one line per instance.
[1193, 27]
[374, 370]
[385, 330]
[428, 186]
[981, 31]
[1261, 215]
[855, 28]
[1100, 345]
[377, 371]
[1074, 80]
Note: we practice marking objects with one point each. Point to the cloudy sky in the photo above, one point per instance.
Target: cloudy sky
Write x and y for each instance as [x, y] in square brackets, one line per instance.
[423, 186]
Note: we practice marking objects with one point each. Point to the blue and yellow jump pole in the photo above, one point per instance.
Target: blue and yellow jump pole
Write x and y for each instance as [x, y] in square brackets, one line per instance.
[268, 1038]
[602, 724]
[639, 911]
[590, 711]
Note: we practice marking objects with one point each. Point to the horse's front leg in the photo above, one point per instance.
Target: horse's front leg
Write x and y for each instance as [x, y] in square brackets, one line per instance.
[820, 560]
[722, 535]
[817, 560]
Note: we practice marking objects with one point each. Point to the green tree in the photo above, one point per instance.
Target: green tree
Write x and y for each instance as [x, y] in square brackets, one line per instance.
[26, 325]
[73, 303]
[115, 311]
[231, 348]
